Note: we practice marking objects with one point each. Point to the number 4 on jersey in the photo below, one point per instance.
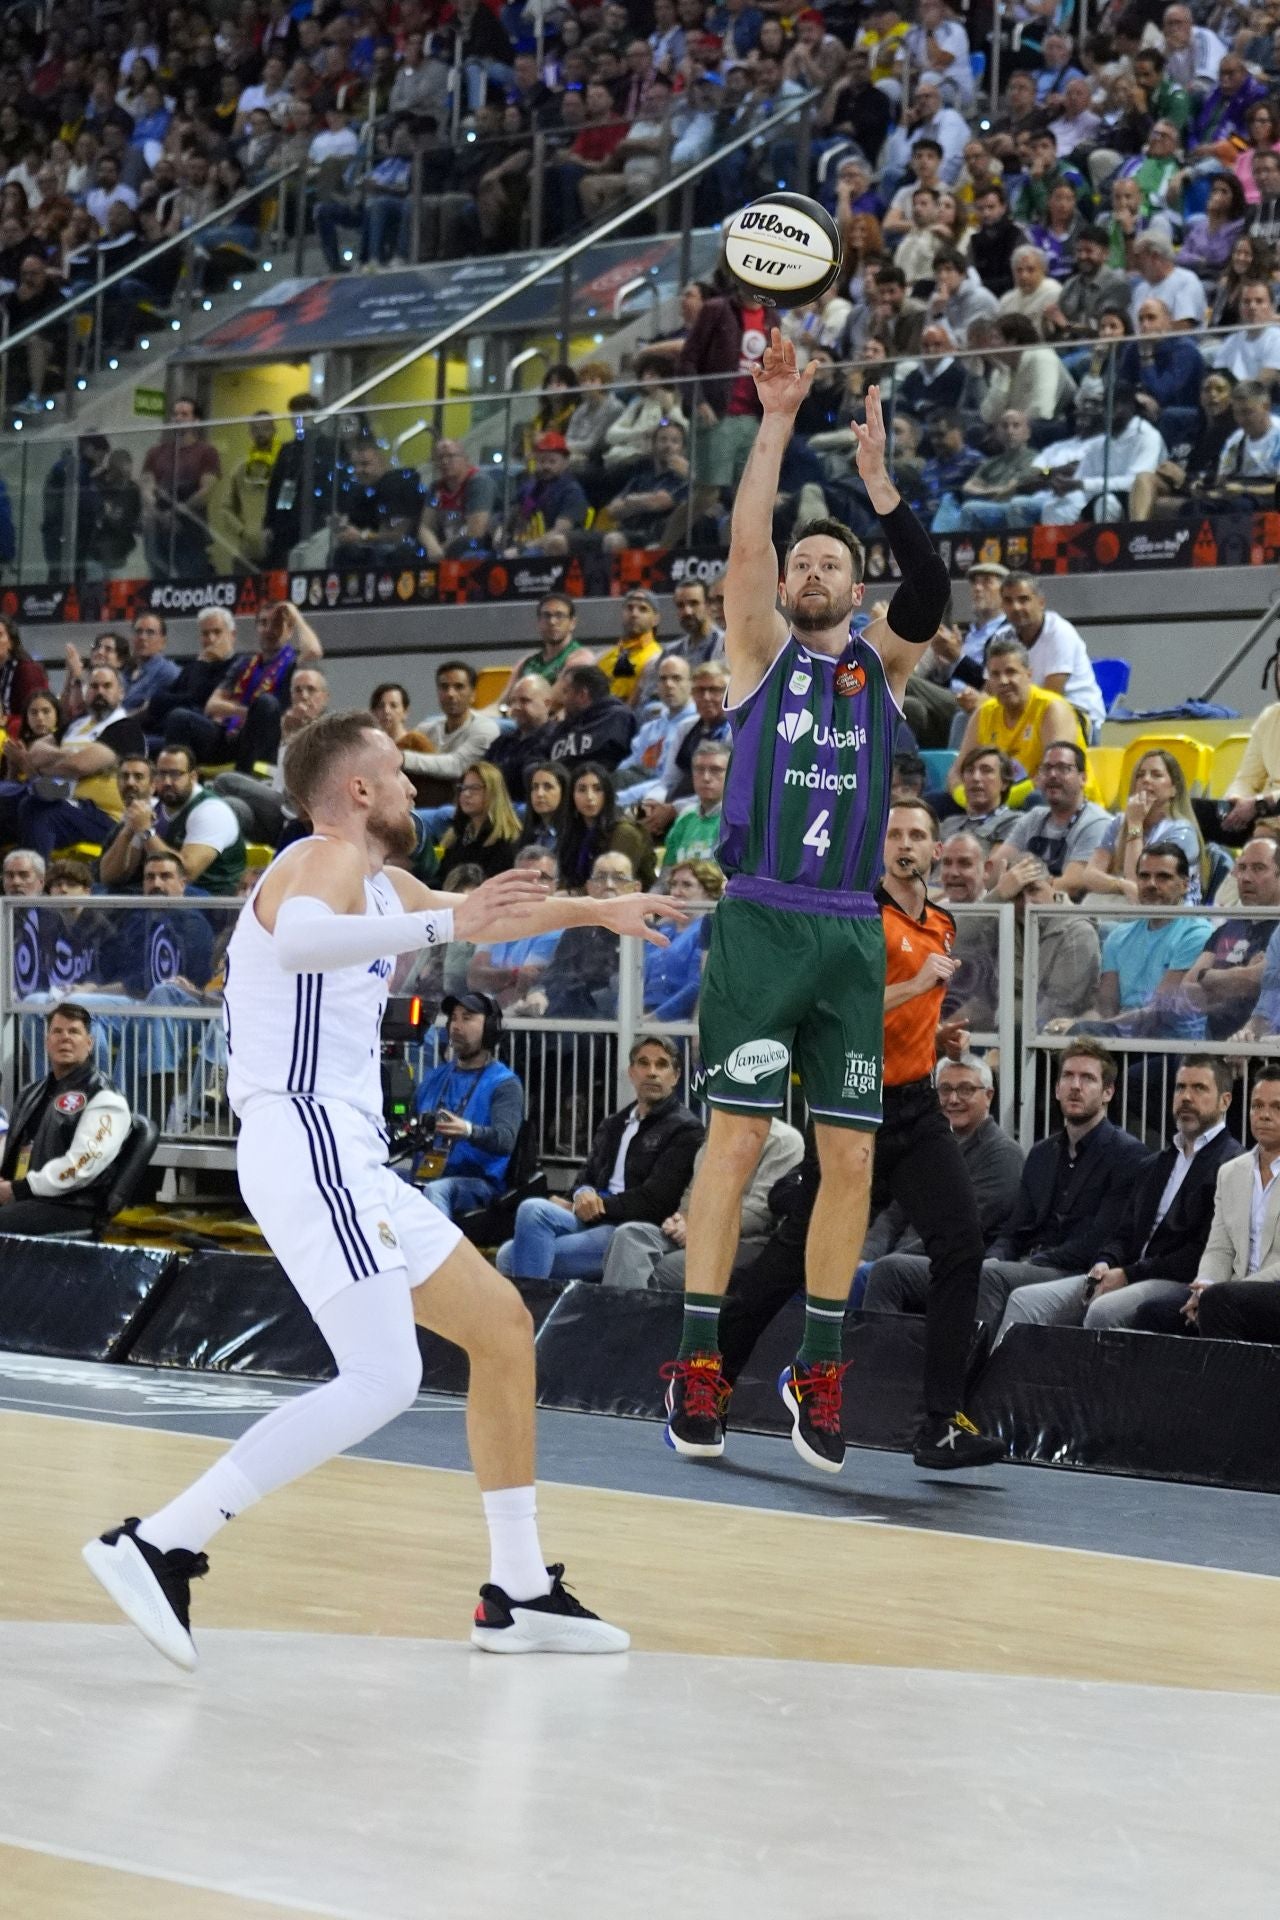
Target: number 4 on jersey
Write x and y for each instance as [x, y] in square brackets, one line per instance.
[817, 835]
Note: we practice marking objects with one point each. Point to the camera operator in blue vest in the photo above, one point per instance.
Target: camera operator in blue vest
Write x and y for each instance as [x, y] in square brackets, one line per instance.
[478, 1105]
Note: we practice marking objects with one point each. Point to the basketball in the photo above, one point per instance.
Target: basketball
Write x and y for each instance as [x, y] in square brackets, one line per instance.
[784, 248]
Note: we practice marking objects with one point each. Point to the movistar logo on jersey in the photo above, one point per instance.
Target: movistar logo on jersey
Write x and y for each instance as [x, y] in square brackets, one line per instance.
[794, 726]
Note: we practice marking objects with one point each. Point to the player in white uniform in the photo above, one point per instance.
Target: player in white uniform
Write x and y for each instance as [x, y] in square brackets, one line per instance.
[307, 973]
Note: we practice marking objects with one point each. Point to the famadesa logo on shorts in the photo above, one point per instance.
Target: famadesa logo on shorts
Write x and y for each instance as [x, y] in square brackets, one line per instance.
[757, 1058]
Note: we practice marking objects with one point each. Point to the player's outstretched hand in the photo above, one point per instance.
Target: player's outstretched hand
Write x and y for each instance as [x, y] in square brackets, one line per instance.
[507, 897]
[779, 383]
[871, 440]
[629, 915]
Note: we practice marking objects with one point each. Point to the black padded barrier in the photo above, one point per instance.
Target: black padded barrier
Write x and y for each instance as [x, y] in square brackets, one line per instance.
[1142, 1403]
[75, 1299]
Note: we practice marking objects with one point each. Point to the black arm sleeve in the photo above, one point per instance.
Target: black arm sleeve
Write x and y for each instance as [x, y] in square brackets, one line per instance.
[916, 609]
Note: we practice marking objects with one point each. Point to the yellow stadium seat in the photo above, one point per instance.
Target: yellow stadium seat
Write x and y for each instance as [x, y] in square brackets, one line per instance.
[489, 684]
[1105, 763]
[81, 851]
[1227, 756]
[258, 856]
[1191, 755]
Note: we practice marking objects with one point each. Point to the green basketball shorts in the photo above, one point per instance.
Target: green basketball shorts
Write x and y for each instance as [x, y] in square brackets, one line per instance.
[785, 989]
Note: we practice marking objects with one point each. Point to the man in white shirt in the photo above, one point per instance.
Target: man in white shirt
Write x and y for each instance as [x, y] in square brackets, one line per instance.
[1034, 289]
[1058, 657]
[1181, 290]
[459, 738]
[1249, 464]
[1192, 54]
[185, 818]
[1108, 466]
[1164, 1232]
[1076, 125]
[938, 49]
[929, 119]
[647, 767]
[1236, 1293]
[109, 190]
[1255, 353]
[338, 141]
[270, 94]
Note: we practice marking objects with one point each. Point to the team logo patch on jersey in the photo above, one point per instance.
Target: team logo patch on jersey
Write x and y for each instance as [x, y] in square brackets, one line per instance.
[70, 1102]
[794, 726]
[851, 679]
[799, 683]
[385, 1234]
[757, 1058]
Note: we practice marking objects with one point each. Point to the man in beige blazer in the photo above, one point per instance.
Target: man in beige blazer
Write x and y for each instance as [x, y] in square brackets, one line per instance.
[1236, 1295]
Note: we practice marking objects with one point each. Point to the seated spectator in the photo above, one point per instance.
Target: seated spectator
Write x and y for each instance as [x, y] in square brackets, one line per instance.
[1236, 1292]
[597, 410]
[630, 437]
[1253, 354]
[982, 812]
[66, 790]
[651, 494]
[1161, 494]
[484, 831]
[989, 493]
[548, 790]
[163, 948]
[1075, 124]
[644, 1255]
[1026, 376]
[673, 974]
[1264, 217]
[936, 382]
[457, 740]
[1158, 1247]
[710, 684]
[898, 1280]
[189, 820]
[242, 716]
[21, 678]
[701, 637]
[1056, 235]
[1069, 955]
[630, 664]
[1157, 814]
[959, 297]
[1091, 286]
[596, 726]
[653, 748]
[1253, 792]
[557, 619]
[389, 704]
[478, 1106]
[380, 511]
[593, 825]
[523, 746]
[272, 816]
[1164, 368]
[695, 833]
[898, 322]
[914, 253]
[951, 460]
[550, 503]
[459, 509]
[972, 989]
[995, 240]
[195, 679]
[1181, 290]
[1097, 485]
[1221, 987]
[1064, 832]
[639, 1166]
[1144, 963]
[509, 969]
[1056, 654]
[1249, 464]
[1074, 1191]
[78, 939]
[65, 1135]
[1209, 237]
[1022, 721]
[583, 984]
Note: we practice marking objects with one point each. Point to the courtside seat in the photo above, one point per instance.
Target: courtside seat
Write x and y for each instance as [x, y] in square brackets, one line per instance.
[257, 856]
[1105, 764]
[1227, 756]
[489, 684]
[80, 851]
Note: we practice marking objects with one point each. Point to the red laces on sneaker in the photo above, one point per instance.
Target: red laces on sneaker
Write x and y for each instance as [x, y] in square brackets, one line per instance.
[820, 1390]
[706, 1391]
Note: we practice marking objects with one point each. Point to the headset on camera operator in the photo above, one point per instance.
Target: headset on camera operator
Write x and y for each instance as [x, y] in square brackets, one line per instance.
[469, 1110]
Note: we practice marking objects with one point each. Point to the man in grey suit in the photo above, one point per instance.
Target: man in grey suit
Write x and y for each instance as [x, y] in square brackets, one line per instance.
[1159, 1247]
[899, 1277]
[1236, 1294]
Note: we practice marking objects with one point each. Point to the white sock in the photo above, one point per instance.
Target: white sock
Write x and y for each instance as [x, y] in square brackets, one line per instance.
[370, 1331]
[515, 1558]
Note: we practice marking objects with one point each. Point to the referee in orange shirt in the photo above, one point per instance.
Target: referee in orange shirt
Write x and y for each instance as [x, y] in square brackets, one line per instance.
[918, 1161]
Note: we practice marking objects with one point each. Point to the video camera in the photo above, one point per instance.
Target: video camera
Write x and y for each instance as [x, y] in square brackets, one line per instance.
[403, 1025]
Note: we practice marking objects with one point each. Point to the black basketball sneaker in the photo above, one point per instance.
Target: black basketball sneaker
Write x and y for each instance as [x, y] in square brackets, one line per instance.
[944, 1444]
[555, 1622]
[151, 1588]
[697, 1401]
[813, 1396]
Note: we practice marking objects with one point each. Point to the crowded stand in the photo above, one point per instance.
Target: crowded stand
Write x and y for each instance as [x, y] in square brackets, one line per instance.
[1066, 294]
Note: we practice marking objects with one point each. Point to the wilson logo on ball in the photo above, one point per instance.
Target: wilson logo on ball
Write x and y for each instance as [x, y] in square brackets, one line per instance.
[754, 220]
[784, 249]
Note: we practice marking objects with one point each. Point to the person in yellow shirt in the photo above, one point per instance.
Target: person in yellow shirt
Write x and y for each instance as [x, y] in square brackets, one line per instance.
[638, 649]
[882, 38]
[1021, 719]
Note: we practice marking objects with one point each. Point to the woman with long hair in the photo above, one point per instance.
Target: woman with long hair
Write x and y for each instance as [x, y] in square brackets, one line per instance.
[20, 677]
[1251, 259]
[548, 788]
[484, 831]
[389, 705]
[41, 717]
[1157, 813]
[555, 408]
[1174, 481]
[1208, 237]
[593, 826]
[1262, 124]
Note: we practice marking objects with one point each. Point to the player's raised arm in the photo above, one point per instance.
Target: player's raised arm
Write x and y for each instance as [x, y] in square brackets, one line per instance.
[754, 628]
[500, 912]
[920, 600]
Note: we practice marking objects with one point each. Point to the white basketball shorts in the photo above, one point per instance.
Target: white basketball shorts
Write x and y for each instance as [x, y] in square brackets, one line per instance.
[314, 1175]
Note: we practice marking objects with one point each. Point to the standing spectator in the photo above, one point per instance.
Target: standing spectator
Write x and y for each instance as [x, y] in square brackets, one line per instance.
[721, 348]
[178, 476]
[241, 717]
[592, 825]
[638, 1167]
[459, 739]
[526, 745]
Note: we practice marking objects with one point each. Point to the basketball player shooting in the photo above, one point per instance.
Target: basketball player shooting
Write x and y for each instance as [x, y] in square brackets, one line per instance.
[795, 973]
[306, 989]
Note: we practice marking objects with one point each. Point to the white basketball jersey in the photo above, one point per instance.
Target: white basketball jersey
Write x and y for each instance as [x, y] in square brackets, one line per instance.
[304, 1033]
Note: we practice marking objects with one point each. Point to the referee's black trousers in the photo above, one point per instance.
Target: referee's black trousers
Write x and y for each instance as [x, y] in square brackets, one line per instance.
[918, 1163]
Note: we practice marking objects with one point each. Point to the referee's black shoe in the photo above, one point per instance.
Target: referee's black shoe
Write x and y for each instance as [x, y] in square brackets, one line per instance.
[942, 1444]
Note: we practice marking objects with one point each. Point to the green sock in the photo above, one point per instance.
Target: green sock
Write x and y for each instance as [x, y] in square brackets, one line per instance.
[701, 1332]
[823, 1342]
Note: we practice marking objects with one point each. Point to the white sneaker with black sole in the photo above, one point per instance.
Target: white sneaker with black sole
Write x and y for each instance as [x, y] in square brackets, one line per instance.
[554, 1623]
[152, 1589]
